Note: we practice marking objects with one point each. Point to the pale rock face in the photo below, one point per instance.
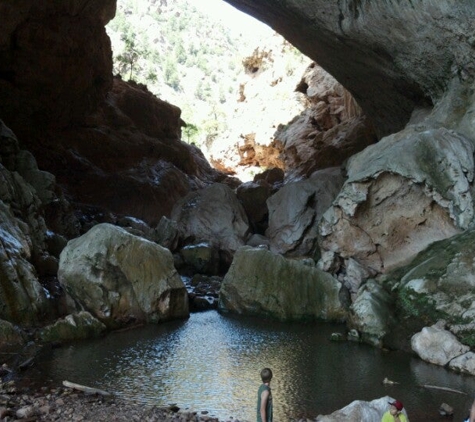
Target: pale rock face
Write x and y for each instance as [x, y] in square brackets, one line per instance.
[262, 283]
[266, 100]
[296, 117]
[464, 363]
[120, 278]
[330, 130]
[402, 194]
[437, 345]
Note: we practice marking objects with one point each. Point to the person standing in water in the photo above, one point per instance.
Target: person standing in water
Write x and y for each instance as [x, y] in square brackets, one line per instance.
[264, 397]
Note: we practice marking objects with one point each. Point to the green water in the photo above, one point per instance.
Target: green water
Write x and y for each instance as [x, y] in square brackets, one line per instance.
[211, 362]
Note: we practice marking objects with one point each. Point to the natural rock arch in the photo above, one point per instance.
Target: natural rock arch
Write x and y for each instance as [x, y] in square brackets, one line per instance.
[393, 56]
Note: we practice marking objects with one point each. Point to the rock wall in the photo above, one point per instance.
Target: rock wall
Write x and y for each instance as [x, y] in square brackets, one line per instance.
[55, 61]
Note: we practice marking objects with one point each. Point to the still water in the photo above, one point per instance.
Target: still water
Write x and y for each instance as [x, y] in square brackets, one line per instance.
[212, 362]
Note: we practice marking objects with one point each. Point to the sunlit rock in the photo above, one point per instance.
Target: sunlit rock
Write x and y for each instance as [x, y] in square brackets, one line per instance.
[291, 114]
[436, 345]
[296, 209]
[260, 282]
[330, 130]
[392, 56]
[121, 278]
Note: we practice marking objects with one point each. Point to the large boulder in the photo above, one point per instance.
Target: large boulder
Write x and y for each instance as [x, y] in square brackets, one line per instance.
[253, 197]
[296, 209]
[121, 278]
[437, 345]
[464, 363]
[213, 215]
[260, 282]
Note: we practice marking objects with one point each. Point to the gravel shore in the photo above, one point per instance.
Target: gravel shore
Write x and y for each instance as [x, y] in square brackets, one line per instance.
[65, 404]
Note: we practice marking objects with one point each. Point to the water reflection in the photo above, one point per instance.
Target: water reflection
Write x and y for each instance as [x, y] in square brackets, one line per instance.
[212, 362]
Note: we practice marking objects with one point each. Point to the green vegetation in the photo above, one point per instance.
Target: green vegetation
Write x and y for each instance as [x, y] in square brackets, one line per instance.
[419, 306]
[183, 56]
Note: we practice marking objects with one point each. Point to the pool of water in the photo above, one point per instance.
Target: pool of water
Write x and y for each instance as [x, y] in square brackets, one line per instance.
[211, 362]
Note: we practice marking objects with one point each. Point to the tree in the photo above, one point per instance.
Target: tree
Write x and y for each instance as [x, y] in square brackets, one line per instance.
[132, 53]
[190, 132]
[171, 74]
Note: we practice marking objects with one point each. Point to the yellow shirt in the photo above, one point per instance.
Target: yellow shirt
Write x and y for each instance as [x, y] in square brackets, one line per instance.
[387, 417]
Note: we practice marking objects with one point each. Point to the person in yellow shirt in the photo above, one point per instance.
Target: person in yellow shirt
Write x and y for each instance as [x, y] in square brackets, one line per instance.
[394, 414]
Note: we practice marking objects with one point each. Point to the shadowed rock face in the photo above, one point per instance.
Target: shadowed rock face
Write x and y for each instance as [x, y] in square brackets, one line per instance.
[391, 55]
[55, 61]
[111, 145]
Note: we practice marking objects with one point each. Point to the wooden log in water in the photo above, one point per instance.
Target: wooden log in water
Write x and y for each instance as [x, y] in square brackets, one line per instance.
[443, 388]
[86, 389]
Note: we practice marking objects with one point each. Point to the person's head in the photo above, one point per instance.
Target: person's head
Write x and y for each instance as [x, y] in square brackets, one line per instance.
[266, 375]
[395, 407]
